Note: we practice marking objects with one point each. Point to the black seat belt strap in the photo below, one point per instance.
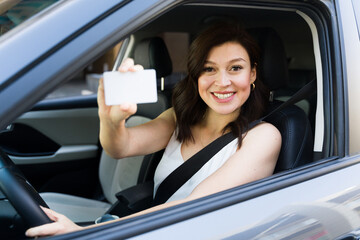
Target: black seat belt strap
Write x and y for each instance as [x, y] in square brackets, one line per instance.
[185, 171]
[191, 166]
[304, 92]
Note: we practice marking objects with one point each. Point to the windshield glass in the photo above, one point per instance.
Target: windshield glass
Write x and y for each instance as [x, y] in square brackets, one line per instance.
[14, 12]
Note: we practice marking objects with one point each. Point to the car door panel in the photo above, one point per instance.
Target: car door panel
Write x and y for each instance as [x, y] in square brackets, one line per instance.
[56, 145]
[74, 130]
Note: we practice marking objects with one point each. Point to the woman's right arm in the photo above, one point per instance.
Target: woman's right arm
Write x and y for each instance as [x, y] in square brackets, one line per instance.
[119, 141]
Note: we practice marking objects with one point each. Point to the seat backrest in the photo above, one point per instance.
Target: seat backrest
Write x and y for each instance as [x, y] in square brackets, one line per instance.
[292, 122]
[119, 174]
[152, 53]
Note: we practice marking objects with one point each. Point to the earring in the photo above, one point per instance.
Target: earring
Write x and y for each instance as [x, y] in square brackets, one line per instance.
[252, 86]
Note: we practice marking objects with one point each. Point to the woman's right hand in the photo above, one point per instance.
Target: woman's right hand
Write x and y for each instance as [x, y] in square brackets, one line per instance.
[114, 136]
[114, 115]
[60, 225]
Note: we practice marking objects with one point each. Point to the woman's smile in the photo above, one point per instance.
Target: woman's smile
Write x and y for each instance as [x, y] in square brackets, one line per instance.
[223, 97]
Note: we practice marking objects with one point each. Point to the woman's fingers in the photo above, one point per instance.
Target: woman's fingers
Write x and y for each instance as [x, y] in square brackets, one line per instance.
[129, 108]
[137, 68]
[44, 230]
[100, 93]
[129, 65]
[50, 213]
[60, 225]
[126, 65]
[118, 113]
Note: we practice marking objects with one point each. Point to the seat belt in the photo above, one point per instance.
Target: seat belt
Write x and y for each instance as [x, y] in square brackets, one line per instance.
[186, 170]
[191, 166]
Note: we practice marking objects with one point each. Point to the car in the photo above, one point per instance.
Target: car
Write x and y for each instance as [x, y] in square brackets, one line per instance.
[52, 54]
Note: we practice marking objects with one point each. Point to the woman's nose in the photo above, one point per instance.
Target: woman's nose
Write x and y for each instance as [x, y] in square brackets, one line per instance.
[222, 79]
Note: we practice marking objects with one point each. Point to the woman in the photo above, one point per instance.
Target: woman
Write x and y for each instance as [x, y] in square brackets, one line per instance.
[221, 93]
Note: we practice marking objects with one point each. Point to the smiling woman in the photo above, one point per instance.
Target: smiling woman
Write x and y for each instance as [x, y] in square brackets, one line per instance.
[237, 163]
[205, 66]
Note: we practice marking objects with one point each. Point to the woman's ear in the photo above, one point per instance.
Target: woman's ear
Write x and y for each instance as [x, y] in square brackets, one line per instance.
[253, 74]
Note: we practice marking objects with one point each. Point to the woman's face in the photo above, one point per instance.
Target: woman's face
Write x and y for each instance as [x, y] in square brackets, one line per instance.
[224, 84]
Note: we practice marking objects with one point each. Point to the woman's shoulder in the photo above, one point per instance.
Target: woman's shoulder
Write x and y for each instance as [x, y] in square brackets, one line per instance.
[264, 131]
[168, 115]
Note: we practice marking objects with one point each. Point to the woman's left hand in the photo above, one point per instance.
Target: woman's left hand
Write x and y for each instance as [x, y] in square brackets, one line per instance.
[60, 225]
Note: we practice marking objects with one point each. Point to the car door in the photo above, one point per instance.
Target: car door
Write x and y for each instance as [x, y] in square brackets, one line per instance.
[56, 145]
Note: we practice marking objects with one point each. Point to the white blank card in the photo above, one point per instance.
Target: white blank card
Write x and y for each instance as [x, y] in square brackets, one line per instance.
[130, 87]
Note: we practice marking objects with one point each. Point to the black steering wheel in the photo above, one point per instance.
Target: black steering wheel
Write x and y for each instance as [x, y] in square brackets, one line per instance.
[23, 197]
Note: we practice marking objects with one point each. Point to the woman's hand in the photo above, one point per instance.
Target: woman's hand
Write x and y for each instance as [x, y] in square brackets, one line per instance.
[113, 134]
[60, 225]
[114, 115]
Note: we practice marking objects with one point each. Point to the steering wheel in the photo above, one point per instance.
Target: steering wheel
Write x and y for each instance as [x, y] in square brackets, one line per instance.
[24, 198]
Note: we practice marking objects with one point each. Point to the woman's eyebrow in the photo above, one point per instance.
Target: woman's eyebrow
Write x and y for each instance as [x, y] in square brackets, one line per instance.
[239, 59]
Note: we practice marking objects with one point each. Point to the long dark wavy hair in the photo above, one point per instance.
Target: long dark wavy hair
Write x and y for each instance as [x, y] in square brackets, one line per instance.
[189, 108]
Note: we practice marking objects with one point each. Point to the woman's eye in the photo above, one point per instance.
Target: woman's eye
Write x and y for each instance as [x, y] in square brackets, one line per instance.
[236, 68]
[208, 69]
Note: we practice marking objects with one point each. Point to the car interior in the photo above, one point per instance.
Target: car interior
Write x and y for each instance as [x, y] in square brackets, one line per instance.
[59, 150]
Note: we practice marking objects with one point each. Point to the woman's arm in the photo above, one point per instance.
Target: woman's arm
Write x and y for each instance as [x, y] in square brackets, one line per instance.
[256, 159]
[119, 141]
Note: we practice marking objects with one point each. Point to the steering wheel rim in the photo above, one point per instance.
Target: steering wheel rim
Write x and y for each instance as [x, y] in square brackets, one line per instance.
[23, 197]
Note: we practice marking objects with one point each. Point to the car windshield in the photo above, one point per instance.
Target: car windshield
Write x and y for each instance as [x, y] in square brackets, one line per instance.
[15, 12]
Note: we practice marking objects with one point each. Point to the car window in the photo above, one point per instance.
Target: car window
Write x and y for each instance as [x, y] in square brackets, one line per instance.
[15, 12]
[86, 81]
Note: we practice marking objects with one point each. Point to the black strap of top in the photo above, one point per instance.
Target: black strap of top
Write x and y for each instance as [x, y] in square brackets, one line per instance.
[191, 166]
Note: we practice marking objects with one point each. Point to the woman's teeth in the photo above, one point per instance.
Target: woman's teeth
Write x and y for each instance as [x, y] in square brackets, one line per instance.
[223, 96]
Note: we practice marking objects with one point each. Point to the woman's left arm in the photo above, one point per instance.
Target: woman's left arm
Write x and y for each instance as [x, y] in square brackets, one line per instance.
[255, 159]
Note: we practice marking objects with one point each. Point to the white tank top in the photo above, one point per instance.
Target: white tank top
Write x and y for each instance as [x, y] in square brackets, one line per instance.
[172, 159]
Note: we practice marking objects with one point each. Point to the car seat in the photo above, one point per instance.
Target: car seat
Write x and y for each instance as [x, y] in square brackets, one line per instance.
[118, 174]
[292, 122]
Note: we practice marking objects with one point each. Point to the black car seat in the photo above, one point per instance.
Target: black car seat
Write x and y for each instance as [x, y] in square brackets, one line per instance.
[119, 174]
[292, 122]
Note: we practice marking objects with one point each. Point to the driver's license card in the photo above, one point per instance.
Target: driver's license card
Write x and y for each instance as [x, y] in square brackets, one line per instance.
[130, 87]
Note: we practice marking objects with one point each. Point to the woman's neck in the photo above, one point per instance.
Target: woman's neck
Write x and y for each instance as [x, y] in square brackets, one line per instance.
[215, 122]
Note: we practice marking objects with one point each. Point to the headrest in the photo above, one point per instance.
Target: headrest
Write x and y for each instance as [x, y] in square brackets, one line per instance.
[273, 63]
[152, 53]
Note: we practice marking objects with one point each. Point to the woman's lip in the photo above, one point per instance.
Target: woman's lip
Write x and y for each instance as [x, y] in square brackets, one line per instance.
[223, 92]
[223, 97]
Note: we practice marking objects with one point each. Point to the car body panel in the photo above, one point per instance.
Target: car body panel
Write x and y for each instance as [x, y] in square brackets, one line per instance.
[244, 222]
[351, 49]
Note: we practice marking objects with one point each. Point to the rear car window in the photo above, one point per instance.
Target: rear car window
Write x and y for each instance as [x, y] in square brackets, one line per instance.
[15, 12]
